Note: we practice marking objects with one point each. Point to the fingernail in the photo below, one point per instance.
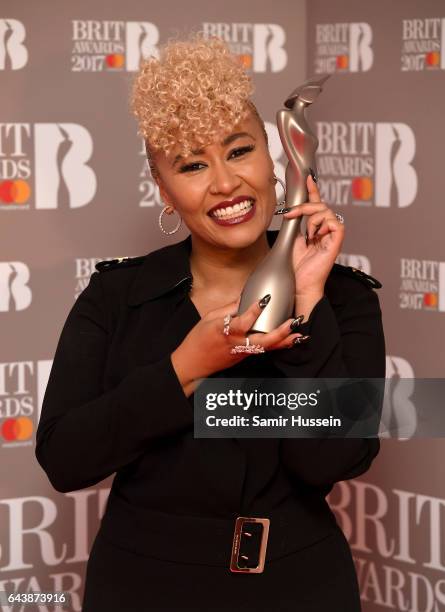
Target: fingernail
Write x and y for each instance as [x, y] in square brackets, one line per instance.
[264, 301]
[301, 339]
[296, 322]
[313, 175]
[282, 211]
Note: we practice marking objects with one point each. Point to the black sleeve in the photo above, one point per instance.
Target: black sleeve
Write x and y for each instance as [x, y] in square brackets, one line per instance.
[346, 341]
[86, 434]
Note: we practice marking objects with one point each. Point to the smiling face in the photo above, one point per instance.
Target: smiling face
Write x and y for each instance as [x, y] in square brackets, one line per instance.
[225, 192]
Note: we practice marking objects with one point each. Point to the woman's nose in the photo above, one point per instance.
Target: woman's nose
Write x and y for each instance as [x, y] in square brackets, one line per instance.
[224, 179]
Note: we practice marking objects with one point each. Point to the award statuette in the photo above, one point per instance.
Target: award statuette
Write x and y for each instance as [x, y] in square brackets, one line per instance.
[275, 273]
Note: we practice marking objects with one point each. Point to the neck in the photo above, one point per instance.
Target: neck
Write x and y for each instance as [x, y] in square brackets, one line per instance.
[217, 268]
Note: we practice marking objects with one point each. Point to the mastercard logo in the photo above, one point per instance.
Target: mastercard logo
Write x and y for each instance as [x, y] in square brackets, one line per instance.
[245, 61]
[114, 60]
[14, 192]
[432, 58]
[17, 429]
[430, 299]
[362, 188]
[342, 62]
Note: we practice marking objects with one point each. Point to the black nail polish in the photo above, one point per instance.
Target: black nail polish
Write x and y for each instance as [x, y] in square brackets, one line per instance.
[301, 339]
[264, 301]
[314, 176]
[296, 322]
[282, 211]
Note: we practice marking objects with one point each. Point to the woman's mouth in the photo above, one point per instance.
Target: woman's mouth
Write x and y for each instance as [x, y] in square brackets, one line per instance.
[235, 213]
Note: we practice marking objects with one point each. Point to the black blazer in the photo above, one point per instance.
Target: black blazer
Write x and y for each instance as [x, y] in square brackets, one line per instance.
[114, 404]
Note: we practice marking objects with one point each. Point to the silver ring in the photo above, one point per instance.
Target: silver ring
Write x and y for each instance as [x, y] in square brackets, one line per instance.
[227, 319]
[247, 348]
[340, 218]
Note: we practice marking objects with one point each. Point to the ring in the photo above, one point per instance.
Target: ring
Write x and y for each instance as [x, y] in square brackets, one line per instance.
[226, 330]
[247, 348]
[340, 218]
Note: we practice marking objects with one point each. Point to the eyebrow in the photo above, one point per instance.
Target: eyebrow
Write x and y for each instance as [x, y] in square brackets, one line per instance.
[228, 140]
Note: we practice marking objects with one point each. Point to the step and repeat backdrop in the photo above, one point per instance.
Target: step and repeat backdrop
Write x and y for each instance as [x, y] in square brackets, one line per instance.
[75, 189]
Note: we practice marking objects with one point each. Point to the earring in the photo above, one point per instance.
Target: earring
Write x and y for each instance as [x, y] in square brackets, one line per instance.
[283, 185]
[164, 210]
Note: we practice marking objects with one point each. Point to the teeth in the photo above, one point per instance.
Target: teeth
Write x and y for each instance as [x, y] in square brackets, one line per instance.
[233, 211]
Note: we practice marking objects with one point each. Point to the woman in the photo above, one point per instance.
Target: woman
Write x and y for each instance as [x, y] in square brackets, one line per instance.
[120, 393]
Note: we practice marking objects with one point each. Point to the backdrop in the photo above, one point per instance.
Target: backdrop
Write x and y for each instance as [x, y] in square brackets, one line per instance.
[75, 189]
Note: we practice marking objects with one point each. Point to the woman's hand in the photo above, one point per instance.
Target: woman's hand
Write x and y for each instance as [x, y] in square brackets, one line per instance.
[206, 349]
[313, 258]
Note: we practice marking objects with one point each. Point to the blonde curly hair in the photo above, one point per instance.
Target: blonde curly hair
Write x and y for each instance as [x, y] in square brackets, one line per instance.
[195, 92]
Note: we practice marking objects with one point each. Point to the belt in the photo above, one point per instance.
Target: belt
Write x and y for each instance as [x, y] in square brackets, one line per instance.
[242, 544]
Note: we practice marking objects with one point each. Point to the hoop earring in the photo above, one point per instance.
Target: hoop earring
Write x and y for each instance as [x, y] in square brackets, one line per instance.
[160, 221]
[283, 185]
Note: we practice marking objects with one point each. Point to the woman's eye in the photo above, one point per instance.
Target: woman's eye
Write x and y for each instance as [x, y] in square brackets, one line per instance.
[190, 167]
[239, 151]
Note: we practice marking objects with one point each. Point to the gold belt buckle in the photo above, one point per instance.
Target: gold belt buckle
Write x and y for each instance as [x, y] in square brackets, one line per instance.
[241, 522]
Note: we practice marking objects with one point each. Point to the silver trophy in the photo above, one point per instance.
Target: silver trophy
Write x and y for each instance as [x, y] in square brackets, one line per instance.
[275, 273]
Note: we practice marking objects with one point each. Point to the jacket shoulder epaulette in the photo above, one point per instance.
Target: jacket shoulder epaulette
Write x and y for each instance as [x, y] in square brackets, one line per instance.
[120, 262]
[359, 275]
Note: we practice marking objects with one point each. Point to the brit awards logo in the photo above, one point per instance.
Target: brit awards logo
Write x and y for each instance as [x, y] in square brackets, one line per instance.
[13, 52]
[112, 45]
[422, 285]
[15, 293]
[259, 46]
[343, 47]
[366, 163]
[423, 44]
[22, 387]
[45, 543]
[45, 166]
[396, 537]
